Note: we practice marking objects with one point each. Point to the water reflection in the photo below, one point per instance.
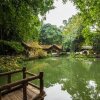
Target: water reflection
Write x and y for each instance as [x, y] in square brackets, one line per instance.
[55, 92]
[79, 79]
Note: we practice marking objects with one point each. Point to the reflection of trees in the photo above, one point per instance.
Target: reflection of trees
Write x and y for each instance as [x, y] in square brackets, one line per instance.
[76, 72]
[78, 78]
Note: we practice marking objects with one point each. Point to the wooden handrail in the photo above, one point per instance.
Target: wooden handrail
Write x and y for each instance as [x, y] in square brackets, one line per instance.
[24, 82]
[11, 72]
[29, 73]
[18, 82]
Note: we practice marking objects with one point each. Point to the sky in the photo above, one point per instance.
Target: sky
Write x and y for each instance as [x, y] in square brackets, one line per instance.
[60, 13]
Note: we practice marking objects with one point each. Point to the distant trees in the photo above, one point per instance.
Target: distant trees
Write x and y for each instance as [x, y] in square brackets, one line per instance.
[50, 34]
[73, 37]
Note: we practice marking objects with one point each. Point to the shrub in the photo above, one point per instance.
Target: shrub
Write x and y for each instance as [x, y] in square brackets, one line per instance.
[41, 53]
[8, 63]
[10, 47]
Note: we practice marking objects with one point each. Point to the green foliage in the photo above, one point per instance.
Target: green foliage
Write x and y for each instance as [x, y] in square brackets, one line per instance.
[19, 20]
[10, 47]
[41, 53]
[18, 23]
[37, 53]
[96, 42]
[8, 63]
[90, 11]
[73, 37]
[50, 34]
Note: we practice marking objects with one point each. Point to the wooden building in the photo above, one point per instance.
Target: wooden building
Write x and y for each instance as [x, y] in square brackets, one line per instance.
[53, 49]
[86, 49]
[31, 48]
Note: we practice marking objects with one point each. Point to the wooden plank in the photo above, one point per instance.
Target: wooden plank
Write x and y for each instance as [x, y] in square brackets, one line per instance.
[18, 94]
[33, 89]
[33, 85]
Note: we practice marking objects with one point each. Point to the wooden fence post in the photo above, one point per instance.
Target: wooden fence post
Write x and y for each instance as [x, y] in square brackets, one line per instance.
[41, 83]
[0, 95]
[24, 72]
[24, 85]
[9, 78]
[24, 91]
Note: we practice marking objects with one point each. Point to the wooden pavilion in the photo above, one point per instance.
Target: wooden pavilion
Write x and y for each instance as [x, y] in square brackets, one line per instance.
[53, 49]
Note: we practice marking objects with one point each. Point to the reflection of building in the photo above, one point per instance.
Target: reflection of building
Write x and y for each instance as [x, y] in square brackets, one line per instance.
[53, 49]
[86, 49]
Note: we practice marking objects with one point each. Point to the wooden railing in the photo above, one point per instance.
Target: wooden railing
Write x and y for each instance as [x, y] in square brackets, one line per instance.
[11, 86]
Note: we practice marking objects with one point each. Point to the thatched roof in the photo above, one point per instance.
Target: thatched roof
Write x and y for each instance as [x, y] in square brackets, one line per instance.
[32, 45]
[49, 46]
[45, 46]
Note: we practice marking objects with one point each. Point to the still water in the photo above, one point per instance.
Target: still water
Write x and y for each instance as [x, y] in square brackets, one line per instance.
[69, 78]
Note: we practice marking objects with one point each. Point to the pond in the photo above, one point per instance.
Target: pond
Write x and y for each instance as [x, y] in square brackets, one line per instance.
[69, 78]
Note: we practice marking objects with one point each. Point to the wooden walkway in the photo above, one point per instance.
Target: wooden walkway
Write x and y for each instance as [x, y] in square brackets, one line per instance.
[32, 93]
[23, 89]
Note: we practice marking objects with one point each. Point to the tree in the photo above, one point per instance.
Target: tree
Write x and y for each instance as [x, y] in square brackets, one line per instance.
[19, 20]
[73, 33]
[90, 11]
[50, 34]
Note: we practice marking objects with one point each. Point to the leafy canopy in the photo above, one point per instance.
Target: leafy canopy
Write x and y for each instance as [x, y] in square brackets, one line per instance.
[19, 18]
[50, 34]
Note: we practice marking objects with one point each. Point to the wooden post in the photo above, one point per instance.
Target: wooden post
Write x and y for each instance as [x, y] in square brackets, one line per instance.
[24, 91]
[24, 85]
[9, 78]
[0, 94]
[24, 74]
[41, 83]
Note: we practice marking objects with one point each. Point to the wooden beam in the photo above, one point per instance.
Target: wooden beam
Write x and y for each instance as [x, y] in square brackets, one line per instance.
[12, 89]
[30, 73]
[18, 82]
[11, 72]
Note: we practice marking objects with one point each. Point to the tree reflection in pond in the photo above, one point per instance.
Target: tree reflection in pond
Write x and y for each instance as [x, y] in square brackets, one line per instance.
[80, 77]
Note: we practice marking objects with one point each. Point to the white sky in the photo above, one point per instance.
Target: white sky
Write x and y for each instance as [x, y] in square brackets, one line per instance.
[60, 13]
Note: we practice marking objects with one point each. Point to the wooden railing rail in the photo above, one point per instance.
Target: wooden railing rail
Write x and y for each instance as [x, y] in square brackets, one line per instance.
[18, 82]
[11, 72]
[29, 73]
